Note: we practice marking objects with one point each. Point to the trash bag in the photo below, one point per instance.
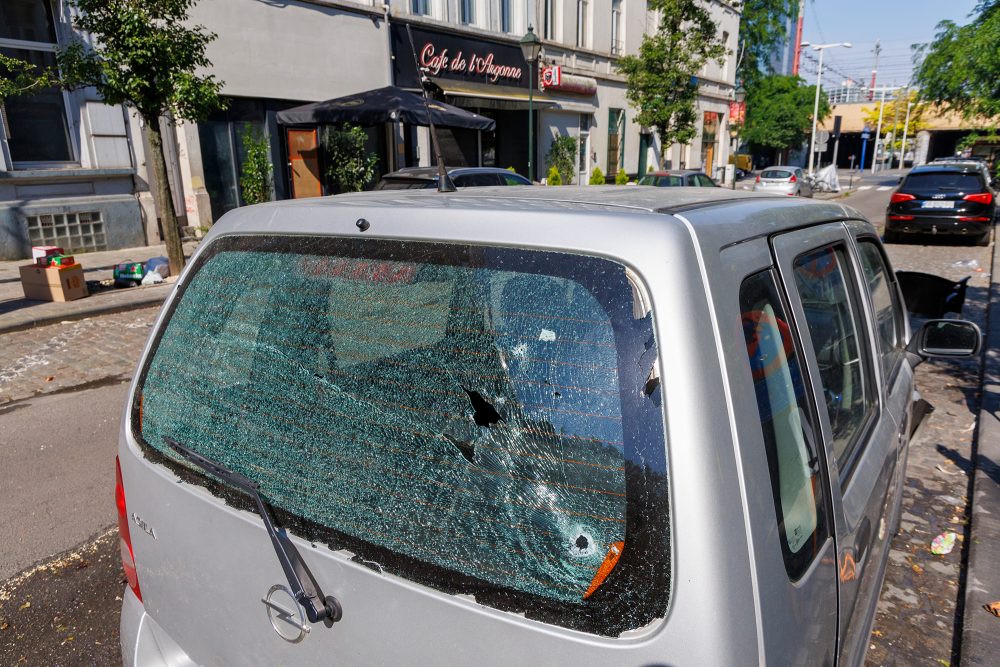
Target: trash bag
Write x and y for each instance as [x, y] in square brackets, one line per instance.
[160, 265]
[826, 179]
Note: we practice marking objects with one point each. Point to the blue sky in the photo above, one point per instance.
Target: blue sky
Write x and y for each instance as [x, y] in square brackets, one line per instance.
[897, 23]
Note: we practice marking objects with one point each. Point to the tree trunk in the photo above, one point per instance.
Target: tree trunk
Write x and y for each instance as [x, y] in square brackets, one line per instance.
[164, 200]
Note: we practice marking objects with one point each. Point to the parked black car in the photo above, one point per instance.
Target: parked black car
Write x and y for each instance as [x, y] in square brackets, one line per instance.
[954, 199]
[416, 178]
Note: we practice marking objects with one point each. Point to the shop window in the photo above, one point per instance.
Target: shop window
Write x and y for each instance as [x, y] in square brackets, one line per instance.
[584, 145]
[617, 41]
[582, 23]
[616, 140]
[35, 125]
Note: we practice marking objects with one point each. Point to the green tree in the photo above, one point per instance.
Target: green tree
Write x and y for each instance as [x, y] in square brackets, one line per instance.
[553, 177]
[894, 118]
[146, 55]
[255, 174]
[661, 81]
[18, 77]
[762, 30]
[960, 69]
[597, 176]
[779, 112]
[562, 156]
[621, 178]
[352, 167]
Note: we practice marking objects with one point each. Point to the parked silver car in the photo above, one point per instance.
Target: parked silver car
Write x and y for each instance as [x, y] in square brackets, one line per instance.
[425, 428]
[791, 181]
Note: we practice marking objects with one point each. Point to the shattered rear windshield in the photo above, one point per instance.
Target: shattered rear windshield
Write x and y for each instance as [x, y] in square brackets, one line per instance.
[483, 421]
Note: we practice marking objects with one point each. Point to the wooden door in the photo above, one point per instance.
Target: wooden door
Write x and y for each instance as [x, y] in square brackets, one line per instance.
[303, 159]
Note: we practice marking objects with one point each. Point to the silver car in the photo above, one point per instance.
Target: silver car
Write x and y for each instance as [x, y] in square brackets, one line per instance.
[791, 181]
[425, 428]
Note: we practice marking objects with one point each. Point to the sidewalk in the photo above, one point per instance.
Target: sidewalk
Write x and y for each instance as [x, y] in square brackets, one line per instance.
[980, 629]
[18, 313]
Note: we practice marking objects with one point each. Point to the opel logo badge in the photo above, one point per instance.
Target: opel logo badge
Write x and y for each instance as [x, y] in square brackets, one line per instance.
[287, 616]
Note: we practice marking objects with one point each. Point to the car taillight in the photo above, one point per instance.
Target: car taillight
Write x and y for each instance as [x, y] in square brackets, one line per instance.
[900, 197]
[980, 198]
[792, 179]
[124, 539]
[758, 178]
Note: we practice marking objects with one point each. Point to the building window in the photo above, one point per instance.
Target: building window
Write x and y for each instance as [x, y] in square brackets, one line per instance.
[584, 145]
[582, 23]
[616, 140]
[421, 7]
[505, 17]
[36, 126]
[73, 232]
[617, 42]
[549, 20]
[468, 11]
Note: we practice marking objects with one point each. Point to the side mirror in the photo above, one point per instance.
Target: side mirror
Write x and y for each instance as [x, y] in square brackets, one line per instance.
[946, 339]
[900, 181]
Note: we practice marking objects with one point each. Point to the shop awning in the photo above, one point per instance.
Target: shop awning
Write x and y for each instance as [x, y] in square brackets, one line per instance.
[383, 105]
[489, 96]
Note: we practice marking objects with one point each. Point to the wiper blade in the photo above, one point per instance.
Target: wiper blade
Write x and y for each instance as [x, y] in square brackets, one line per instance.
[304, 587]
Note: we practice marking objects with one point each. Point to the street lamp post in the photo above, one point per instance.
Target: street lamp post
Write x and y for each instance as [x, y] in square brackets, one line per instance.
[739, 96]
[531, 46]
[819, 83]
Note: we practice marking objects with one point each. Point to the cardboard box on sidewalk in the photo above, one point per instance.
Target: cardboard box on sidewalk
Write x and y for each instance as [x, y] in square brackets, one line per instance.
[53, 283]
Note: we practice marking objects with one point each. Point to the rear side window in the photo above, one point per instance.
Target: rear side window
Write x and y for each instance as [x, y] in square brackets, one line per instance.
[833, 319]
[705, 181]
[776, 173]
[786, 422]
[885, 303]
[948, 181]
[513, 179]
[481, 421]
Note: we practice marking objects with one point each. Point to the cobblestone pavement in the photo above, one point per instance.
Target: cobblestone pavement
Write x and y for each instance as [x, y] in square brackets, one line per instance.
[59, 357]
[920, 609]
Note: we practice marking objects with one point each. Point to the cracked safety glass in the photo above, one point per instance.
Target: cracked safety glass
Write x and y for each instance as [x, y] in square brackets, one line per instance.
[479, 420]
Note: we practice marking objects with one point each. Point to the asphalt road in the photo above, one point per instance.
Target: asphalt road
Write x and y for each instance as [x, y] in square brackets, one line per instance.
[57, 454]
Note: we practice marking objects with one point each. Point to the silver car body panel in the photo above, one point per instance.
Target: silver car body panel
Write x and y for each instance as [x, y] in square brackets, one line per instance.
[204, 575]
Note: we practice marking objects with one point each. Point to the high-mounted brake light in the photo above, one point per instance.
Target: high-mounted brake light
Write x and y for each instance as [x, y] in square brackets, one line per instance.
[980, 198]
[124, 539]
[898, 197]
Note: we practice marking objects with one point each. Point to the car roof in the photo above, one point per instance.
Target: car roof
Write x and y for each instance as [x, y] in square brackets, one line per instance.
[947, 167]
[432, 172]
[674, 172]
[786, 167]
[730, 216]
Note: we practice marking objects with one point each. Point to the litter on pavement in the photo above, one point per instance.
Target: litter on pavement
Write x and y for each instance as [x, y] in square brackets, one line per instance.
[943, 544]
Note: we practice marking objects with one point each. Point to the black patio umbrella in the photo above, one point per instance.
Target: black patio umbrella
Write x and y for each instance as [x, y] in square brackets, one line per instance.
[383, 105]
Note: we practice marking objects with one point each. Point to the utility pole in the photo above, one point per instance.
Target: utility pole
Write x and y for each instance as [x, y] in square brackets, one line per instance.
[878, 50]
[878, 132]
[895, 121]
[906, 130]
[819, 83]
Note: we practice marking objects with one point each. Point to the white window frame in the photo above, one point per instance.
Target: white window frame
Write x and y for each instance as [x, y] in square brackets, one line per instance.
[74, 150]
[583, 24]
[617, 28]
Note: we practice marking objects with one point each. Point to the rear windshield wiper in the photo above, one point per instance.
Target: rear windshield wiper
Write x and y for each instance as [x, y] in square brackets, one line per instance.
[304, 587]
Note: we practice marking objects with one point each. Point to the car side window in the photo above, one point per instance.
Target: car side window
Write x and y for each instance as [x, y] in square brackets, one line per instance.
[786, 422]
[511, 179]
[705, 181]
[885, 303]
[462, 181]
[833, 319]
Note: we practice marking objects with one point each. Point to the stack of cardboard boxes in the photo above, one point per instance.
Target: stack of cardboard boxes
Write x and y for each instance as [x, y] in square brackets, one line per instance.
[53, 276]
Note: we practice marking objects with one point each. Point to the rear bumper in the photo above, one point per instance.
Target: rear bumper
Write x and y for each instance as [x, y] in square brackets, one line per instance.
[143, 641]
[937, 225]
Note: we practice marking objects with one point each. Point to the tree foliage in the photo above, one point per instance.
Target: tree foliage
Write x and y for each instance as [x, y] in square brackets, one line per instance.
[351, 166]
[779, 112]
[562, 156]
[255, 173]
[18, 77]
[894, 117]
[960, 69]
[662, 79]
[763, 27]
[146, 55]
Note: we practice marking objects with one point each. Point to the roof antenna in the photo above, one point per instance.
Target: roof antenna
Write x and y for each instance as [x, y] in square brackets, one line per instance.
[444, 181]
